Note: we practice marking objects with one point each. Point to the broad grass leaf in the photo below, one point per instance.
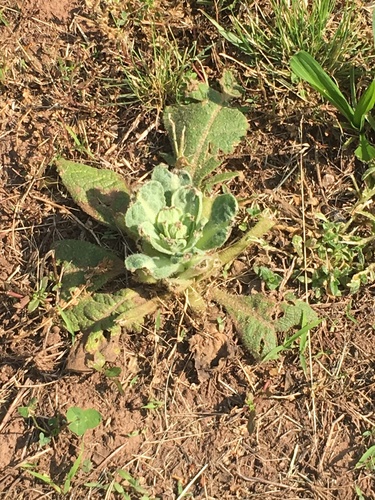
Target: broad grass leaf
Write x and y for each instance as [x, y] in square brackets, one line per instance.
[103, 194]
[365, 104]
[365, 151]
[307, 68]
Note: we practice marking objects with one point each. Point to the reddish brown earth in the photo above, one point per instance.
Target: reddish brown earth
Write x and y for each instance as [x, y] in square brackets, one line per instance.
[234, 430]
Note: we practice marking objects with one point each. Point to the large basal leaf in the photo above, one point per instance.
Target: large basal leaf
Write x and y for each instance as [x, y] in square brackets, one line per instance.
[252, 319]
[101, 317]
[103, 194]
[200, 131]
[258, 318]
[100, 311]
[85, 265]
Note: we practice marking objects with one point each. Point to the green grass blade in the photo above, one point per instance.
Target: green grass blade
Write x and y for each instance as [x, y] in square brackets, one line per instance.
[308, 69]
[365, 104]
[373, 25]
[72, 472]
[228, 35]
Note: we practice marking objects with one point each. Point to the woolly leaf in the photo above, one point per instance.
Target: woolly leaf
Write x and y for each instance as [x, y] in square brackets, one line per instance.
[217, 230]
[255, 319]
[293, 313]
[101, 317]
[86, 265]
[103, 194]
[200, 131]
[252, 319]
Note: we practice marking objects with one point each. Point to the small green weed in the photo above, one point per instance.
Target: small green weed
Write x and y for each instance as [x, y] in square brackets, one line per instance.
[45, 478]
[337, 260]
[271, 279]
[367, 460]
[114, 374]
[358, 115]
[39, 297]
[48, 427]
[131, 490]
[153, 404]
[78, 421]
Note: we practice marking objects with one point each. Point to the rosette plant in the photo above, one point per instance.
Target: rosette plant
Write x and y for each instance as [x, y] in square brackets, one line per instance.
[176, 226]
[181, 233]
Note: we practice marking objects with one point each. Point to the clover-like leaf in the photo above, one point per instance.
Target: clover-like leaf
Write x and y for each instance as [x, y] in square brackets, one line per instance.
[80, 420]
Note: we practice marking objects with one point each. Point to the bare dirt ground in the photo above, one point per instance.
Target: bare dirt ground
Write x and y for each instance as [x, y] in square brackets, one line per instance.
[235, 429]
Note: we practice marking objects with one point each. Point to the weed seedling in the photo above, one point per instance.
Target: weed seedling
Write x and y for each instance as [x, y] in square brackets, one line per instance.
[78, 422]
[307, 68]
[153, 404]
[49, 428]
[181, 230]
[39, 297]
[131, 490]
[367, 460]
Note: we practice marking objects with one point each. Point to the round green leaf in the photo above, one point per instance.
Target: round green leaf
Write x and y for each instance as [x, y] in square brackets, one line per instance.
[81, 420]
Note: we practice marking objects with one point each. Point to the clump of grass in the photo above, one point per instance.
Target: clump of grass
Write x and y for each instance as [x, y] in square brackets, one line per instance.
[159, 77]
[270, 36]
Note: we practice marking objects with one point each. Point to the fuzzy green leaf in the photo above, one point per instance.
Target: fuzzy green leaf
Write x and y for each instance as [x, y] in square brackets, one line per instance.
[307, 68]
[149, 200]
[293, 313]
[157, 267]
[101, 317]
[189, 201]
[85, 264]
[103, 194]
[170, 180]
[216, 231]
[200, 131]
[100, 311]
[229, 85]
[254, 318]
